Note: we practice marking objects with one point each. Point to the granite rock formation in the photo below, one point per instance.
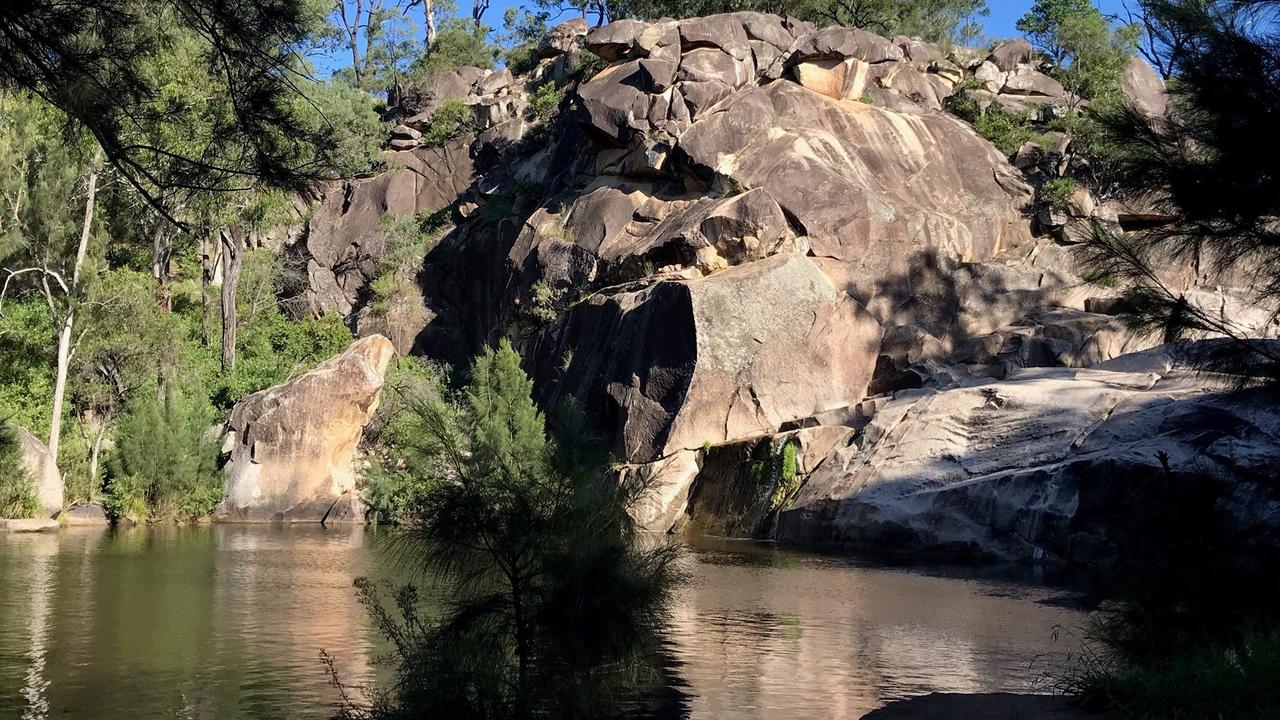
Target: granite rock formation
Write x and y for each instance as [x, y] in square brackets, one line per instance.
[291, 448]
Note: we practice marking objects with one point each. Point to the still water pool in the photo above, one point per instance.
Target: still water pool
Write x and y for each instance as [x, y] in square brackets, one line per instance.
[226, 622]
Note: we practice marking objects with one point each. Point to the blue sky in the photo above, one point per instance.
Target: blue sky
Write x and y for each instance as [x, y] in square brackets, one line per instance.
[999, 24]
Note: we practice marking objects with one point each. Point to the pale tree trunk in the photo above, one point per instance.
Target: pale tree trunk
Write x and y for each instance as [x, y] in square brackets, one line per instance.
[352, 28]
[161, 254]
[232, 257]
[429, 14]
[93, 428]
[68, 320]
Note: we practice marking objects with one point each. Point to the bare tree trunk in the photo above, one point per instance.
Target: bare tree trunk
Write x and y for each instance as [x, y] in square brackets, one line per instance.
[206, 279]
[161, 252]
[352, 27]
[232, 257]
[429, 14]
[68, 319]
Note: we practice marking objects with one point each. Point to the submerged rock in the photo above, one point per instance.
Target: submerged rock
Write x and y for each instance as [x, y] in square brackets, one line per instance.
[291, 447]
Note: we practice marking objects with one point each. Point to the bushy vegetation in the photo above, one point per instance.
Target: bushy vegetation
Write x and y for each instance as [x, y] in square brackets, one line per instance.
[395, 439]
[452, 119]
[1240, 680]
[1057, 193]
[18, 495]
[1007, 131]
[1190, 622]
[549, 606]
[164, 466]
[461, 41]
[544, 101]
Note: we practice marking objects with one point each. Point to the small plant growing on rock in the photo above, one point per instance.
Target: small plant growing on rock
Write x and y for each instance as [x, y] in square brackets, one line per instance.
[452, 119]
[1056, 193]
[1007, 131]
[588, 65]
[788, 477]
[542, 305]
[544, 102]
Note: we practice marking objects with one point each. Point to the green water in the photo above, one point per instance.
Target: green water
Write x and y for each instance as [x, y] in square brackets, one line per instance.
[228, 622]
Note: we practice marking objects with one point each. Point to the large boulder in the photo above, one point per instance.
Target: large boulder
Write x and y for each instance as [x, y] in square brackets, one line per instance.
[44, 471]
[1144, 89]
[874, 190]
[291, 447]
[1030, 468]
[733, 355]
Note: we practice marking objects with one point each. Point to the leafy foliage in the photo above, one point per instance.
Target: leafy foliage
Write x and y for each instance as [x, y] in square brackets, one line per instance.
[545, 101]
[550, 606]
[396, 441]
[1007, 131]
[452, 119]
[460, 42]
[1056, 193]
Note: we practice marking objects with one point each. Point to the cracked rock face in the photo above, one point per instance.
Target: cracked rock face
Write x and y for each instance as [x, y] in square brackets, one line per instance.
[291, 447]
[1020, 469]
[732, 355]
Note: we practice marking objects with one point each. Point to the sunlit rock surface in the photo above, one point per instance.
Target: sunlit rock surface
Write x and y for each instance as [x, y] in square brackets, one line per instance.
[291, 447]
[44, 471]
[1028, 468]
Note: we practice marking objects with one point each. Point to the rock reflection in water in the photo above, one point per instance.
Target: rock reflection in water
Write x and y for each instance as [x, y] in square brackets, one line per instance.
[227, 622]
[766, 633]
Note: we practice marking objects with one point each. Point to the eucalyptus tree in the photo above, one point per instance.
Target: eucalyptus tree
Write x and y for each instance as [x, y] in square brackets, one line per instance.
[49, 176]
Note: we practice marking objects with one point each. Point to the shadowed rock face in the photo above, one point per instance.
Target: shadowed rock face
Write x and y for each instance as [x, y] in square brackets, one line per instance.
[346, 235]
[291, 447]
[728, 356]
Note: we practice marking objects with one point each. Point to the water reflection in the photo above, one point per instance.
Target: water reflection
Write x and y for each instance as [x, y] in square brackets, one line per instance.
[771, 634]
[228, 622]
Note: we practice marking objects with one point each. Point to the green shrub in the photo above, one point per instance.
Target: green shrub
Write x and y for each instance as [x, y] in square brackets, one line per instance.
[588, 65]
[1240, 681]
[459, 41]
[543, 303]
[164, 463]
[18, 495]
[396, 439]
[1056, 193]
[126, 498]
[452, 119]
[1006, 131]
[545, 101]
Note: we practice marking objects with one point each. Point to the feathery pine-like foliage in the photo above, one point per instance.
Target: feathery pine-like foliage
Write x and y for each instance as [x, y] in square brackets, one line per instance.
[1213, 162]
[18, 496]
[164, 466]
[550, 606]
